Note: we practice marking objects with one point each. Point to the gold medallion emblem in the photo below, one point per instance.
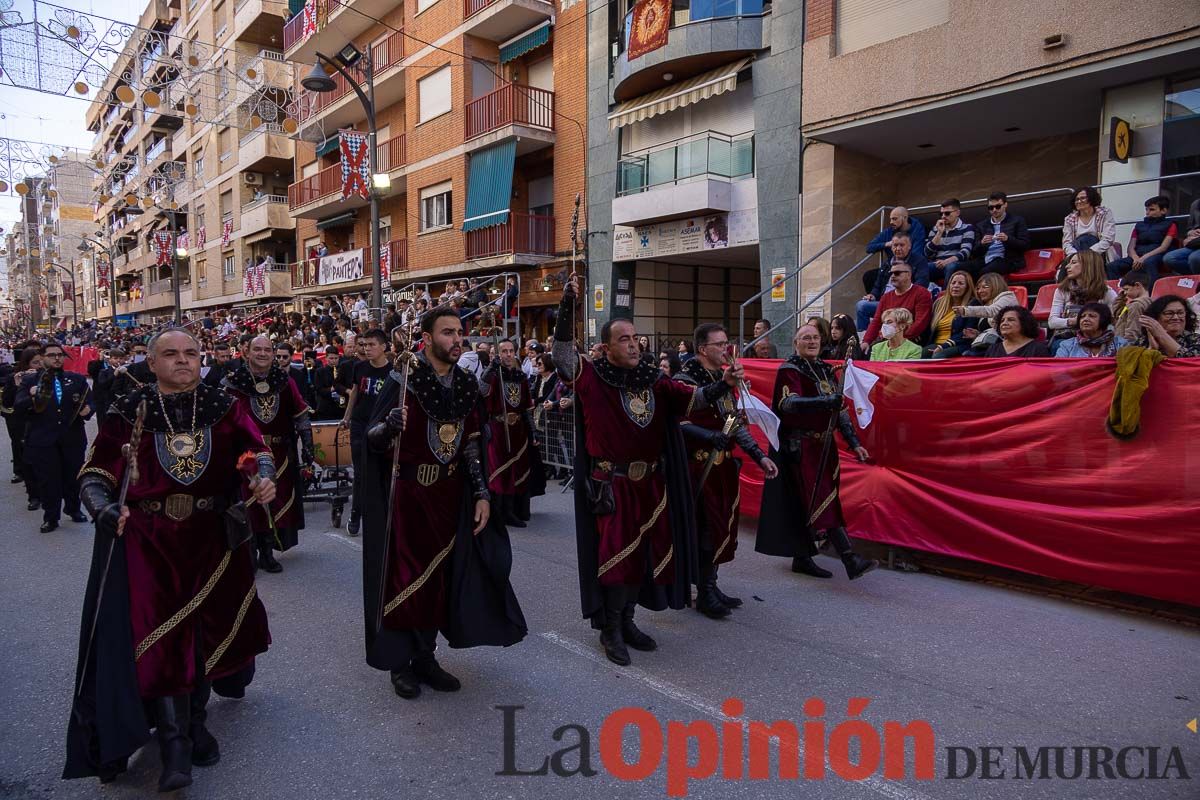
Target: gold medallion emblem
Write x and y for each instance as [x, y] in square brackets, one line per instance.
[262, 387]
[178, 507]
[447, 433]
[182, 445]
[637, 405]
[638, 470]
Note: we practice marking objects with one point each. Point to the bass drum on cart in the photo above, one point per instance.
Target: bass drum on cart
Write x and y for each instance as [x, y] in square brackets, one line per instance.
[331, 444]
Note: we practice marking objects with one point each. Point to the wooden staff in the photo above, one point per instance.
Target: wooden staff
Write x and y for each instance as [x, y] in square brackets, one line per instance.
[403, 364]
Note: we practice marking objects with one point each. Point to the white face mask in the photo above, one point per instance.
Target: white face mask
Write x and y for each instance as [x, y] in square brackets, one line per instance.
[138, 358]
[888, 330]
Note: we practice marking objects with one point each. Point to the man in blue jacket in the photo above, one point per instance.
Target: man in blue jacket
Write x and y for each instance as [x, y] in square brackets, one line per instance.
[898, 222]
[901, 248]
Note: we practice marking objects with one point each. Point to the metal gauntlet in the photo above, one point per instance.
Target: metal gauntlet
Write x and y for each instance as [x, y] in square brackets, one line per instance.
[470, 456]
[745, 440]
[379, 437]
[847, 429]
[710, 394]
[304, 432]
[564, 330]
[266, 466]
[794, 402]
[98, 497]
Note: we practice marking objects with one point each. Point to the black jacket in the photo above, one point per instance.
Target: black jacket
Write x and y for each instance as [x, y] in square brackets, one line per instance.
[1014, 227]
[56, 421]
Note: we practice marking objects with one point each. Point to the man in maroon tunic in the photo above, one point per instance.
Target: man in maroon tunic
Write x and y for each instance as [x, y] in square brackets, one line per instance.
[804, 499]
[512, 474]
[171, 611]
[440, 562]
[635, 532]
[709, 434]
[269, 396]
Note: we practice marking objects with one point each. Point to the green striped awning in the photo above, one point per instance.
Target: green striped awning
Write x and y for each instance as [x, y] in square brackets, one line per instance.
[328, 146]
[522, 44]
[489, 185]
[337, 221]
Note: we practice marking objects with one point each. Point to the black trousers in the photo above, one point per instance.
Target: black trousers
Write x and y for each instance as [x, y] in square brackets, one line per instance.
[16, 438]
[56, 473]
[358, 434]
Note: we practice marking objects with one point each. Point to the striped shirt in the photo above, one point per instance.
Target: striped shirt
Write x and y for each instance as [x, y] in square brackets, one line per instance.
[958, 241]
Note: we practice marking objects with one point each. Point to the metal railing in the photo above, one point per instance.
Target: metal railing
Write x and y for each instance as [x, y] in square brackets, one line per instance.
[523, 233]
[880, 213]
[263, 200]
[315, 187]
[384, 55]
[473, 7]
[391, 154]
[510, 104]
[709, 153]
[293, 30]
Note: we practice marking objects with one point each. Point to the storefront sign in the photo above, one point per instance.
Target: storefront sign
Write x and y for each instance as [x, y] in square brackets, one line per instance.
[691, 235]
[341, 267]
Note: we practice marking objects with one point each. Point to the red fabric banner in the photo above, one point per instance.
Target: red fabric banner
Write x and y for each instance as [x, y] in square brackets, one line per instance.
[1007, 462]
[78, 358]
[650, 27]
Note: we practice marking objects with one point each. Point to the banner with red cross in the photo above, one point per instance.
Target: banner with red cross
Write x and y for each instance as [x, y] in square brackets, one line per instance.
[226, 232]
[356, 164]
[385, 262]
[201, 237]
[101, 275]
[162, 248]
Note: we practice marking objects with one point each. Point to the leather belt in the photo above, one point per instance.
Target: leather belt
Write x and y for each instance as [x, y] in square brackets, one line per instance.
[797, 435]
[178, 507]
[425, 474]
[269, 439]
[634, 470]
[702, 456]
[511, 418]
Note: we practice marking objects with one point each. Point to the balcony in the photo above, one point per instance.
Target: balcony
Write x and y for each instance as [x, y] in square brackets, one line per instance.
[690, 176]
[499, 20]
[258, 20]
[522, 236]
[269, 212]
[266, 149]
[392, 155]
[340, 107]
[317, 195]
[342, 25]
[512, 110]
[266, 69]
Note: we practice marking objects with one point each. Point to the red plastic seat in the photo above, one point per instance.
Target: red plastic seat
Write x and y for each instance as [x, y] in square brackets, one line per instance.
[1040, 265]
[1022, 294]
[1183, 285]
[1045, 298]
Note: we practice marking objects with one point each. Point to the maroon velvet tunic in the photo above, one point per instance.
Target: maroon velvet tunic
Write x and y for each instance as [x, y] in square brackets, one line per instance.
[274, 412]
[508, 469]
[809, 427]
[623, 426]
[194, 609]
[720, 500]
[425, 517]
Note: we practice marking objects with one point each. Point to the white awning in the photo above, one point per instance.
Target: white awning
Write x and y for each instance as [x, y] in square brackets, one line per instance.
[693, 90]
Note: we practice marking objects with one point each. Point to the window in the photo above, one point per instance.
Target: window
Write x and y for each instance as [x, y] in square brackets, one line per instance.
[862, 23]
[424, 4]
[433, 93]
[541, 196]
[435, 207]
[199, 216]
[226, 203]
[227, 266]
[385, 229]
[308, 170]
[198, 160]
[225, 139]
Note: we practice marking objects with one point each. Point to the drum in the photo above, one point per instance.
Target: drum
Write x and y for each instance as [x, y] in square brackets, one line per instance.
[331, 445]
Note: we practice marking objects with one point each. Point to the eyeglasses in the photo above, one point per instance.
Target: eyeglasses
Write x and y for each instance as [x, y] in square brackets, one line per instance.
[1173, 314]
[721, 345]
[996, 207]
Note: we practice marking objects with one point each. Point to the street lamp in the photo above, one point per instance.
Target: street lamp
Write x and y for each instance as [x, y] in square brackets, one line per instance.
[49, 266]
[320, 82]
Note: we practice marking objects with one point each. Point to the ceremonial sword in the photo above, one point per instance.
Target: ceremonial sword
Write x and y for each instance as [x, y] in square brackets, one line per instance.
[503, 392]
[404, 363]
[833, 418]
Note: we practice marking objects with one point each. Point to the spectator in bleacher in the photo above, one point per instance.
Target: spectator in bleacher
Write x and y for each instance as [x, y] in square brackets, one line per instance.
[844, 341]
[905, 294]
[994, 296]
[1084, 283]
[903, 252]
[1001, 240]
[669, 363]
[762, 349]
[760, 327]
[892, 344]
[684, 350]
[1151, 239]
[1018, 335]
[1089, 226]
[1169, 325]
[949, 333]
[1132, 301]
[1185, 260]
[950, 243]
[898, 222]
[1095, 337]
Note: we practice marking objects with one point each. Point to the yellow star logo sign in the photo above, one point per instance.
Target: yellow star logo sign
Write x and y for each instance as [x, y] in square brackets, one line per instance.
[1191, 726]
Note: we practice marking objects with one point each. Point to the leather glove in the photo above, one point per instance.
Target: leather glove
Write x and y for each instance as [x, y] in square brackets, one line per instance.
[395, 420]
[833, 400]
[719, 440]
[107, 520]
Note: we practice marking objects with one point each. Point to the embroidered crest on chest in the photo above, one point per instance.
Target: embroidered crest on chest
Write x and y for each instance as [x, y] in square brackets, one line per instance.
[638, 405]
[184, 464]
[443, 439]
[513, 394]
[265, 406]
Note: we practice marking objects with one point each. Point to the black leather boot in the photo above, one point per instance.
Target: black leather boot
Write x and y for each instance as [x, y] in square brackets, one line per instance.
[611, 637]
[405, 682]
[707, 602]
[856, 565]
[806, 566]
[630, 633]
[727, 600]
[175, 747]
[430, 673]
[205, 750]
[266, 558]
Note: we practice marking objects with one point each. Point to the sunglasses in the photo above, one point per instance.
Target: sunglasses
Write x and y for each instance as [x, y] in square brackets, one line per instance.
[947, 213]
[899, 272]
[996, 207]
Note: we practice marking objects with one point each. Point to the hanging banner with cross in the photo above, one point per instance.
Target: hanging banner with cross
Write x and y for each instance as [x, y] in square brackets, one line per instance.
[101, 274]
[385, 263]
[356, 165]
[162, 248]
[226, 232]
[201, 237]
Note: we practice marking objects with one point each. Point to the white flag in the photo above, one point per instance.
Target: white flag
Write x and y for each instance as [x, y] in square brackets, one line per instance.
[859, 383]
[758, 414]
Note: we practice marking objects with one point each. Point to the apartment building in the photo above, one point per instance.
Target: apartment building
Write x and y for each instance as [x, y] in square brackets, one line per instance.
[200, 161]
[28, 286]
[481, 115]
[912, 103]
[692, 162]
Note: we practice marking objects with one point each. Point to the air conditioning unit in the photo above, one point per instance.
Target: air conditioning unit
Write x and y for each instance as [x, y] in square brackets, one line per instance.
[252, 178]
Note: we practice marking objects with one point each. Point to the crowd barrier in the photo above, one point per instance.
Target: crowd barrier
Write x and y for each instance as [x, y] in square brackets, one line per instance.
[556, 437]
[1007, 462]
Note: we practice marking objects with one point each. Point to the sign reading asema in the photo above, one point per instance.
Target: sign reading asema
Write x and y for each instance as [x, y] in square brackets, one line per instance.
[341, 267]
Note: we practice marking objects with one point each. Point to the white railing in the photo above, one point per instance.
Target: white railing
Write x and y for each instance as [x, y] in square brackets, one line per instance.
[266, 198]
[266, 127]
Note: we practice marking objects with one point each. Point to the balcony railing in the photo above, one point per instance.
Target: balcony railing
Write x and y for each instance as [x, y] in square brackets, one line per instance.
[386, 54]
[263, 200]
[703, 154]
[531, 234]
[157, 150]
[687, 11]
[511, 104]
[392, 154]
[398, 249]
[314, 187]
[293, 31]
[307, 274]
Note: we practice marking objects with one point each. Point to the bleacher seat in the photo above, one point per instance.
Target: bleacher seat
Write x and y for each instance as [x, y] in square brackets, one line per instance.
[1041, 306]
[1183, 285]
[1022, 294]
[1040, 266]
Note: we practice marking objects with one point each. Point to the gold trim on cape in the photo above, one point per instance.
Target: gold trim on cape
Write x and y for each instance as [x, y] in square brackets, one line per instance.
[412, 588]
[233, 632]
[510, 462]
[607, 565]
[178, 616]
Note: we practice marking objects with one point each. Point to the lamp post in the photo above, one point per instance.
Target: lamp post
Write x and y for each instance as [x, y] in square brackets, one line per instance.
[319, 81]
[49, 266]
[83, 247]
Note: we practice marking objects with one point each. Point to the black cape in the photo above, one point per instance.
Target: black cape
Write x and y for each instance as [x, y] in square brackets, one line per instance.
[783, 528]
[483, 606]
[680, 510]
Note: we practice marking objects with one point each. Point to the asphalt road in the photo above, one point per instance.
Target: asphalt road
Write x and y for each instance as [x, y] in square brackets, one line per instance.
[984, 666]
